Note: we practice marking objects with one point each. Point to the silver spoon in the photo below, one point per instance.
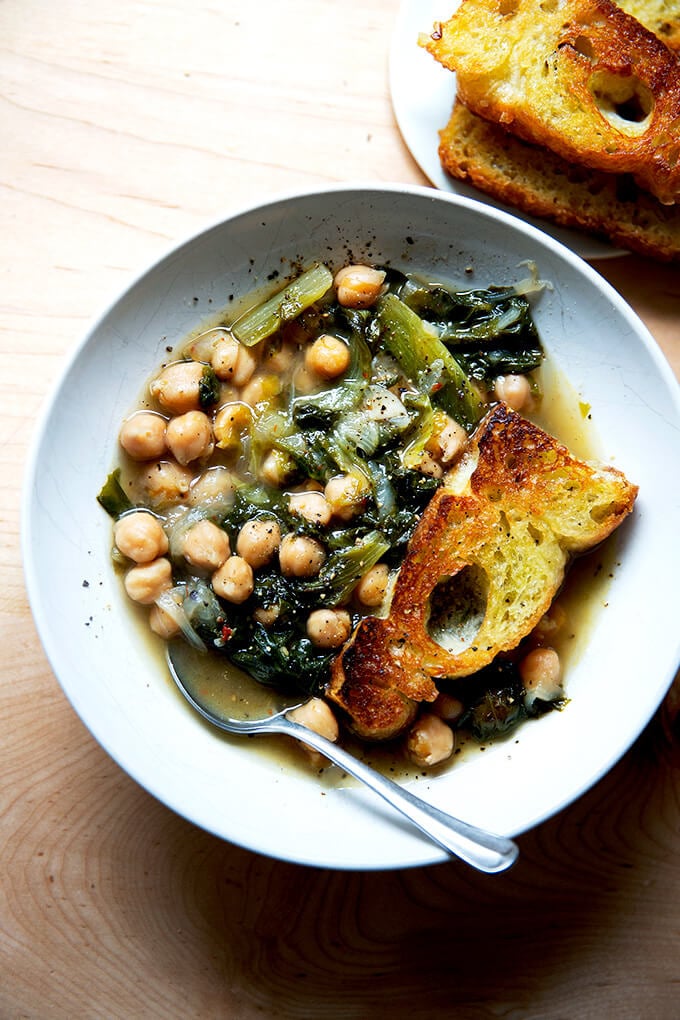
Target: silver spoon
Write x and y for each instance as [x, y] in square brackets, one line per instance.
[477, 847]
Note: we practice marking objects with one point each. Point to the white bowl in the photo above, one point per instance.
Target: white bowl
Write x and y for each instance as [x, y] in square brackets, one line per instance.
[118, 686]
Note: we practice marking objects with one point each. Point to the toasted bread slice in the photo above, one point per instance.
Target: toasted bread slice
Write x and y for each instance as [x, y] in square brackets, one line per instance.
[580, 77]
[482, 568]
[542, 184]
[662, 17]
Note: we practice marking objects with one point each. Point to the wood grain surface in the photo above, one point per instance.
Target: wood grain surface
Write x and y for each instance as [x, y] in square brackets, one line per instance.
[126, 125]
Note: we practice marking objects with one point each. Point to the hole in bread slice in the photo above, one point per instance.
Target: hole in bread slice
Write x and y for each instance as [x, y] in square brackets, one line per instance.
[624, 101]
[584, 46]
[457, 609]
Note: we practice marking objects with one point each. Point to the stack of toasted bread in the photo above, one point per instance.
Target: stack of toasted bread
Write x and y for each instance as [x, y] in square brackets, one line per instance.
[570, 110]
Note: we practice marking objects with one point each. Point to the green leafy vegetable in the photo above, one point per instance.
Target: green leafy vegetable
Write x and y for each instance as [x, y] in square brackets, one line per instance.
[491, 331]
[312, 453]
[495, 701]
[418, 350]
[279, 659]
[256, 501]
[208, 388]
[346, 566]
[113, 497]
[260, 322]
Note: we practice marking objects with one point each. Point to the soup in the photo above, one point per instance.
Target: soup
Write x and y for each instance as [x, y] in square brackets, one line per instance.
[274, 472]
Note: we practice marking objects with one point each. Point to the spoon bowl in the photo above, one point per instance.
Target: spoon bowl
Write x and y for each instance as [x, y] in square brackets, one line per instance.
[246, 707]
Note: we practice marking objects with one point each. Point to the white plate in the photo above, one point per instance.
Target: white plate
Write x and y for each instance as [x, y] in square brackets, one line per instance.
[120, 689]
[423, 93]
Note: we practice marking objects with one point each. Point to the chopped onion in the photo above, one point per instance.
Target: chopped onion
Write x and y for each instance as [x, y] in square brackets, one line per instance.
[384, 406]
[532, 284]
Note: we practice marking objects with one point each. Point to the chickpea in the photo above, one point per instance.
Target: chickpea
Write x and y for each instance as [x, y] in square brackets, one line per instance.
[447, 707]
[147, 581]
[142, 435]
[448, 440]
[300, 556]
[550, 626]
[541, 673]
[214, 485]
[359, 286]
[317, 715]
[372, 587]
[232, 361]
[224, 355]
[429, 741]
[162, 623]
[140, 536]
[246, 363]
[278, 357]
[313, 506]
[347, 495]
[513, 390]
[262, 387]
[328, 356]
[231, 423]
[234, 580]
[277, 468]
[267, 615]
[305, 381]
[328, 628]
[228, 394]
[189, 437]
[258, 541]
[206, 546]
[177, 387]
[163, 483]
[202, 346]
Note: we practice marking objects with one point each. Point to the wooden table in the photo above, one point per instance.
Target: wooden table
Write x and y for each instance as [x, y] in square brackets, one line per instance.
[125, 126]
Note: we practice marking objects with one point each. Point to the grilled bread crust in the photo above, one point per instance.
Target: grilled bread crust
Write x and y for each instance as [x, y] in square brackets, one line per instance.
[656, 16]
[503, 526]
[580, 77]
[542, 184]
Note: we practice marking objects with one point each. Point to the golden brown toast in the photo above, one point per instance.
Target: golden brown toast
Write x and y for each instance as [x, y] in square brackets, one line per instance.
[662, 17]
[580, 77]
[482, 568]
[542, 184]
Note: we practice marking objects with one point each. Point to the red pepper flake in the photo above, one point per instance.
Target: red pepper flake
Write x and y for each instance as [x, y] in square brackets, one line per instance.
[226, 632]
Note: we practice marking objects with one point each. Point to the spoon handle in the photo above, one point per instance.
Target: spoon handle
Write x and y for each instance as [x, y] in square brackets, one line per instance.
[477, 847]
